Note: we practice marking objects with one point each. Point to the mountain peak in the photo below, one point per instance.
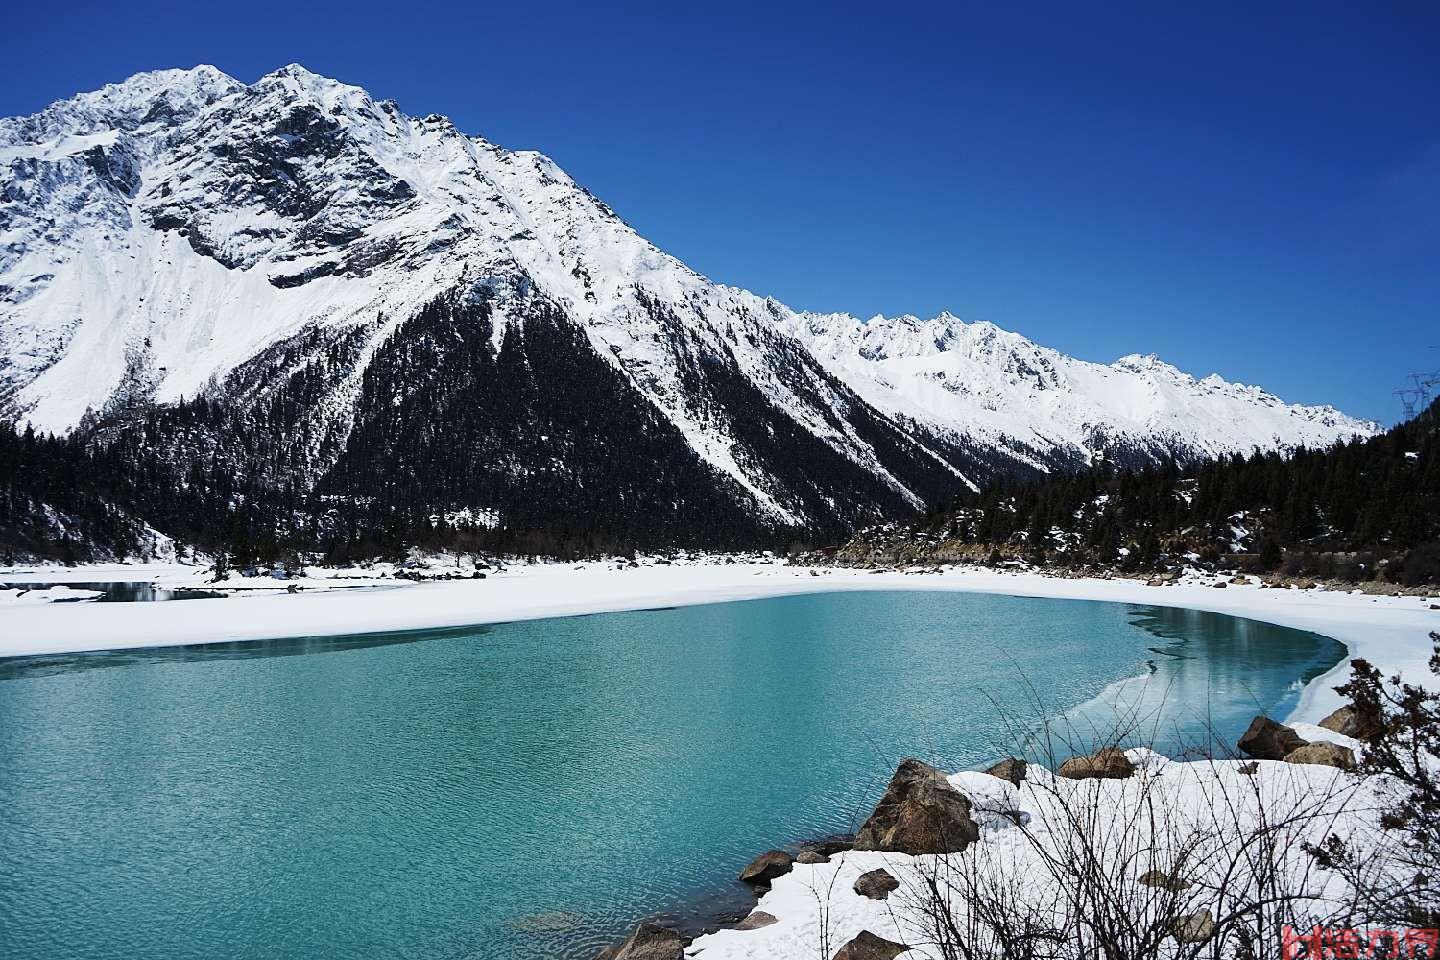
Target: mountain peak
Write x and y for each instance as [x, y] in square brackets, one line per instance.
[152, 98]
[295, 76]
[202, 76]
[201, 84]
[300, 72]
[1140, 362]
[294, 83]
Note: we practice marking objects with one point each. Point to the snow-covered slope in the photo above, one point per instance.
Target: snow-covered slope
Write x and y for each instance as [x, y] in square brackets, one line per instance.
[283, 246]
[995, 383]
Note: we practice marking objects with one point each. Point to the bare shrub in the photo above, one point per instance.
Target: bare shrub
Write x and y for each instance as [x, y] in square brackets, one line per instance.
[1064, 880]
[1222, 853]
[1395, 878]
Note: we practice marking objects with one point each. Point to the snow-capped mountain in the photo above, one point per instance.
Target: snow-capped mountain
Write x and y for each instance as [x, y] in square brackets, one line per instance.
[369, 301]
[996, 384]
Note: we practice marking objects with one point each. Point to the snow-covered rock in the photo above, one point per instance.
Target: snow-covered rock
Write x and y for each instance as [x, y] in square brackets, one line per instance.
[60, 593]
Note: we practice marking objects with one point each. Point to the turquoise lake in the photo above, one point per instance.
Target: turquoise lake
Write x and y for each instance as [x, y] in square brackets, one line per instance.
[531, 789]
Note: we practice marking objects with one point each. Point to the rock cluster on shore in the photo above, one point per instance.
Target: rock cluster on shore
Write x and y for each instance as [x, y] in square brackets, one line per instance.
[922, 813]
[1267, 740]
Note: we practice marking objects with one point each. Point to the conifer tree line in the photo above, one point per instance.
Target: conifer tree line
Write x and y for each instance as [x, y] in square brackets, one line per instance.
[1362, 510]
[70, 500]
[238, 479]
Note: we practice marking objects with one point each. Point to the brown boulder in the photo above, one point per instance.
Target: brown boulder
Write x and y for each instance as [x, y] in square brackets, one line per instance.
[1352, 723]
[767, 866]
[877, 884]
[1010, 768]
[867, 946]
[757, 920]
[919, 813]
[811, 856]
[1326, 754]
[649, 942]
[1107, 764]
[1265, 739]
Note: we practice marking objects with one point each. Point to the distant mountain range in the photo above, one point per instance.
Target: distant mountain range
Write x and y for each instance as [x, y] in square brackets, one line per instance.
[295, 283]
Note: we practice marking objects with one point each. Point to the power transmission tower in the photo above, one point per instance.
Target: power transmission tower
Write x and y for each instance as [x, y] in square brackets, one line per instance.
[1417, 397]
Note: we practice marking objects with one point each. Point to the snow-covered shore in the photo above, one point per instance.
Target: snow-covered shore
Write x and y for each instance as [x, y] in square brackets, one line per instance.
[1196, 821]
[1389, 631]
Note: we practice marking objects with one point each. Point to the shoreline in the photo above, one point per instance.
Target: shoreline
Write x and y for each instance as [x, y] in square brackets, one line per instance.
[1391, 632]
[704, 920]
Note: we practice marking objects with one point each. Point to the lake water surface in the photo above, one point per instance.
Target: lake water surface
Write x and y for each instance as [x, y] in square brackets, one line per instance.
[531, 789]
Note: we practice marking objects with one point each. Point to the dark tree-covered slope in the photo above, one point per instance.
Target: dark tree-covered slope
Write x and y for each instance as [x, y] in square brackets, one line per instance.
[462, 432]
[1363, 510]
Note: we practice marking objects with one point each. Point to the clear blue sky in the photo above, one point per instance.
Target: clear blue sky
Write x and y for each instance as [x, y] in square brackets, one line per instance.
[1251, 189]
